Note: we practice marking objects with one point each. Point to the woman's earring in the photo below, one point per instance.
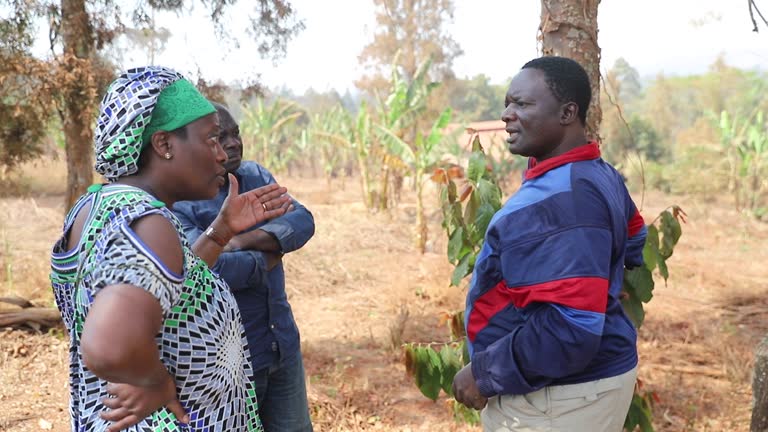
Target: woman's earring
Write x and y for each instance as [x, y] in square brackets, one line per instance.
[168, 156]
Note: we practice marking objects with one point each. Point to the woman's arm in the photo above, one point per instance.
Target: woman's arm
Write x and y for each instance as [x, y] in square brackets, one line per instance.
[118, 338]
[118, 345]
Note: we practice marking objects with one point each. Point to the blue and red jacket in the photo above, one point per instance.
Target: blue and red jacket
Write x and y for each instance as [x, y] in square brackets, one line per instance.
[543, 307]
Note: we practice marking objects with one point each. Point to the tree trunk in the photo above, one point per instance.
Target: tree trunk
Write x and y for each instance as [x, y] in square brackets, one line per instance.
[34, 317]
[569, 29]
[383, 203]
[365, 182]
[760, 389]
[79, 95]
[28, 315]
[421, 221]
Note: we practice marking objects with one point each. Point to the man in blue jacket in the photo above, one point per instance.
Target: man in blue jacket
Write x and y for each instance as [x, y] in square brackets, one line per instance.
[551, 347]
[252, 266]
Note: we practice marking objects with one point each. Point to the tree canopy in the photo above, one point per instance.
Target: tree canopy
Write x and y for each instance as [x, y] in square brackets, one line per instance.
[69, 82]
[412, 29]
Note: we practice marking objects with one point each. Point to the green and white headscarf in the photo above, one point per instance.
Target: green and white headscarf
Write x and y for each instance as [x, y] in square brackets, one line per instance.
[138, 103]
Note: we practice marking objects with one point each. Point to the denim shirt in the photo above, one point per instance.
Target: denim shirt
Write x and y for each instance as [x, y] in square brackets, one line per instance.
[269, 325]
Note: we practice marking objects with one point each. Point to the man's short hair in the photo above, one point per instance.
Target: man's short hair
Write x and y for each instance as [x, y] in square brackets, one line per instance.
[567, 80]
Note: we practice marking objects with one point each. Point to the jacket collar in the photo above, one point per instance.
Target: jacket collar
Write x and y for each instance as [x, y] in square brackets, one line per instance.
[589, 151]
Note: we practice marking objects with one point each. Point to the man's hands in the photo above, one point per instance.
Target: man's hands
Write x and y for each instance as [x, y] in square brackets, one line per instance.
[131, 404]
[242, 211]
[465, 389]
[255, 240]
[273, 259]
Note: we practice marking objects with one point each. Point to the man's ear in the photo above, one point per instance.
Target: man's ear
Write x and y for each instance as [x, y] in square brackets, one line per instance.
[160, 143]
[569, 113]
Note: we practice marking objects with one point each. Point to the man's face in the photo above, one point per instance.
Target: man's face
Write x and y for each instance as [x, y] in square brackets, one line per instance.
[532, 115]
[230, 140]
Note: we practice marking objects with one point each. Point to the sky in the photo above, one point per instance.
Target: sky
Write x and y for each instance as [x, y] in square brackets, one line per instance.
[497, 36]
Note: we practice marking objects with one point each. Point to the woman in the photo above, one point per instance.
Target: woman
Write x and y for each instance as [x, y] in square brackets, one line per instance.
[156, 338]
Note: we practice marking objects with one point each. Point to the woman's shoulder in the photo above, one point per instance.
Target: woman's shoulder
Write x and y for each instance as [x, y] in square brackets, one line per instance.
[133, 222]
[160, 237]
[120, 207]
[127, 203]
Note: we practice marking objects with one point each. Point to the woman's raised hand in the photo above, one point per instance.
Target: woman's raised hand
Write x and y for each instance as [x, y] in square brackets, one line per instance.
[242, 211]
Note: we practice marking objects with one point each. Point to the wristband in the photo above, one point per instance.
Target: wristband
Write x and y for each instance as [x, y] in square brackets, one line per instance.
[212, 234]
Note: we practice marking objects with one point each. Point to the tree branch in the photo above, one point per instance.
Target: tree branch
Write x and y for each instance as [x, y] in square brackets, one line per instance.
[752, 9]
[629, 131]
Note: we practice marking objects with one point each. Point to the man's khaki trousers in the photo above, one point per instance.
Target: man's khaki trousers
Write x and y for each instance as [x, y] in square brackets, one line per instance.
[595, 406]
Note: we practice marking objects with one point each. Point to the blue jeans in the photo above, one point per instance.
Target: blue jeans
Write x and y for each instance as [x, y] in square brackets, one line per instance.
[282, 396]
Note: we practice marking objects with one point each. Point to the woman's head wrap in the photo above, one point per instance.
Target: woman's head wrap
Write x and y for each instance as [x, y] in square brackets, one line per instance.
[139, 103]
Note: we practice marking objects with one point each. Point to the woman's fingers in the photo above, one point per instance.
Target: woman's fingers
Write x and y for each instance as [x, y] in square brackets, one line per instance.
[260, 192]
[175, 407]
[273, 195]
[125, 423]
[114, 415]
[288, 206]
[271, 214]
[111, 403]
[267, 193]
[233, 185]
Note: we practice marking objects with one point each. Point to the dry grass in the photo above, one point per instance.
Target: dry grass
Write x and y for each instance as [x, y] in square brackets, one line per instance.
[29, 221]
[353, 283]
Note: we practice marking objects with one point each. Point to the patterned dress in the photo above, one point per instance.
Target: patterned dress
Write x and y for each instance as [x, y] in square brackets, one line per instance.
[202, 342]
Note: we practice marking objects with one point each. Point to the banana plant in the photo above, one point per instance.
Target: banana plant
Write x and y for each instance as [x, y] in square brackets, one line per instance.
[263, 126]
[745, 144]
[329, 133]
[399, 116]
[337, 127]
[419, 158]
[407, 101]
[753, 151]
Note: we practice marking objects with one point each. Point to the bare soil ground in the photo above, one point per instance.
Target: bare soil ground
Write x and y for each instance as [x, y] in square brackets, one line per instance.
[359, 289]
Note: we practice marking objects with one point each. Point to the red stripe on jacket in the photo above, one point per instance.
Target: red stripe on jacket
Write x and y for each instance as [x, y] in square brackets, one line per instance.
[588, 151]
[584, 293]
[635, 224]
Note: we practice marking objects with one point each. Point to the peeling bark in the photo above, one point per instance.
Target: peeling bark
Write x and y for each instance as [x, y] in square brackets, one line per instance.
[569, 29]
[760, 389]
